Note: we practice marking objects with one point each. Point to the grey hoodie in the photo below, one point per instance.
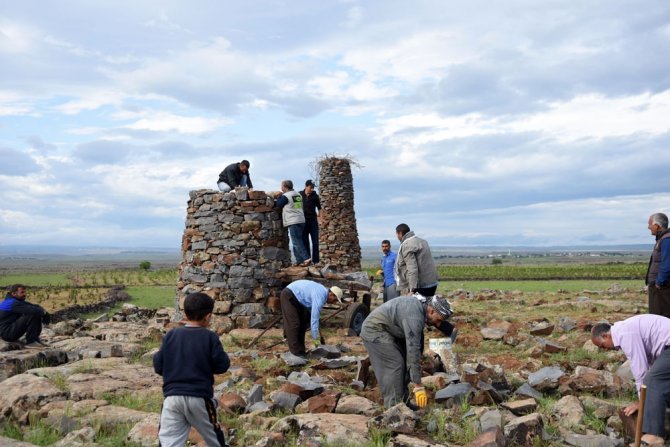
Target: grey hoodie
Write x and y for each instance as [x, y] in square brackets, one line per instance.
[414, 265]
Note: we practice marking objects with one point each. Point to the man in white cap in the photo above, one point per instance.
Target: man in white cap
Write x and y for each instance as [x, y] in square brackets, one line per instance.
[301, 304]
[393, 336]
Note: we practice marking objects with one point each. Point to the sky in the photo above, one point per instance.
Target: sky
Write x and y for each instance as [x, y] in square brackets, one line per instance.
[516, 123]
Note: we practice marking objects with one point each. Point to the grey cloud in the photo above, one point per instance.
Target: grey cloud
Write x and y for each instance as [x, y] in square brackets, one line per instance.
[104, 152]
[15, 163]
[36, 142]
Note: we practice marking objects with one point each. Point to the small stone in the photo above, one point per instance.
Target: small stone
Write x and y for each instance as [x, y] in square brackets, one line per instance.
[293, 360]
[398, 419]
[456, 393]
[569, 411]
[524, 429]
[490, 419]
[232, 402]
[492, 437]
[546, 378]
[285, 400]
[521, 407]
[526, 390]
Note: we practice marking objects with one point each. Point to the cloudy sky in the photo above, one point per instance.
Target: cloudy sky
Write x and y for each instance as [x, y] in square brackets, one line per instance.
[476, 123]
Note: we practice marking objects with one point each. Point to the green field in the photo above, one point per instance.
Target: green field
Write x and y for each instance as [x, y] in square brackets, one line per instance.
[540, 286]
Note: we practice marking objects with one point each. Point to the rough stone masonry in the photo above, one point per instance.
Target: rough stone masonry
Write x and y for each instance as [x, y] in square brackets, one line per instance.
[233, 245]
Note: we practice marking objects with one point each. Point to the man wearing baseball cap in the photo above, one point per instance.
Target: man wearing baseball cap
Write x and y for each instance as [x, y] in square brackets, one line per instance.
[393, 336]
[301, 304]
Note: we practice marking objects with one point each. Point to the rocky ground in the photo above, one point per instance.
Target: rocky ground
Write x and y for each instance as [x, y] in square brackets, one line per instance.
[522, 372]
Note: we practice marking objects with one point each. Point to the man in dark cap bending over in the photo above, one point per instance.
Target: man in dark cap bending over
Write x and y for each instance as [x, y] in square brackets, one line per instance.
[393, 337]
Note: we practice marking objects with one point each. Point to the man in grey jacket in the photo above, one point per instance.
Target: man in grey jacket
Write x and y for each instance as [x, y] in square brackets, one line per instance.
[293, 217]
[415, 270]
[393, 336]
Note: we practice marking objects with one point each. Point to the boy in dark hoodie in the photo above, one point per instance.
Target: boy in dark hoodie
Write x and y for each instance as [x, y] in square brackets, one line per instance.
[188, 359]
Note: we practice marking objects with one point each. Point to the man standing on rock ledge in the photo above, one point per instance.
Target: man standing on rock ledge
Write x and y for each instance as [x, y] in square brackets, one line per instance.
[18, 317]
[293, 217]
[645, 340]
[393, 336]
[657, 279]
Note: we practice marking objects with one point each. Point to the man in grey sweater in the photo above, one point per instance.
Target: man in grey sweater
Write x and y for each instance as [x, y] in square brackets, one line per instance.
[393, 336]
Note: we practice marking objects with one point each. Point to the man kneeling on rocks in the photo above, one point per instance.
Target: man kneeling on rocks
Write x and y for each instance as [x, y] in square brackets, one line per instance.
[18, 317]
[645, 340]
[301, 304]
[393, 337]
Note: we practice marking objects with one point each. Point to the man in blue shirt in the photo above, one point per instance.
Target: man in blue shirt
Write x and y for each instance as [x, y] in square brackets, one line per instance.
[658, 272]
[19, 317]
[301, 304]
[388, 261]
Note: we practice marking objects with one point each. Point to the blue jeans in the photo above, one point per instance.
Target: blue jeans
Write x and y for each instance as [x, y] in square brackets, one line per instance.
[295, 232]
[311, 231]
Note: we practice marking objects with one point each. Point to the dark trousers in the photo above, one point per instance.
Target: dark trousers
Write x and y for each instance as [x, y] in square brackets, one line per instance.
[296, 321]
[311, 231]
[31, 325]
[657, 380]
[446, 328]
[659, 300]
[390, 292]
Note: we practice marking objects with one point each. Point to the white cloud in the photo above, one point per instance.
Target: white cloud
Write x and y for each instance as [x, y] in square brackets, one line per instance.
[167, 122]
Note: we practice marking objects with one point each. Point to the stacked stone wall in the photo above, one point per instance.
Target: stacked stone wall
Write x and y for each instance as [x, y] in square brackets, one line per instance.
[233, 246]
[338, 240]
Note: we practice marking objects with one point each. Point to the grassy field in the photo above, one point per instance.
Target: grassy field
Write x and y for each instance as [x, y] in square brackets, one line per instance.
[540, 286]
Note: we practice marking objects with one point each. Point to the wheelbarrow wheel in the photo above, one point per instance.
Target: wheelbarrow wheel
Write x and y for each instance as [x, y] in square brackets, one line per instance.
[355, 315]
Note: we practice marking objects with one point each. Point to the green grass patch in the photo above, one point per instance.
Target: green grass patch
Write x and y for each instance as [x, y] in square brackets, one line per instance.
[539, 286]
[115, 436]
[618, 271]
[147, 402]
[35, 279]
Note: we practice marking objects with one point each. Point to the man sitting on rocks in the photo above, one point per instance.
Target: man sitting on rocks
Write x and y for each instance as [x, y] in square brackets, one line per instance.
[301, 304]
[393, 336]
[19, 317]
[645, 340]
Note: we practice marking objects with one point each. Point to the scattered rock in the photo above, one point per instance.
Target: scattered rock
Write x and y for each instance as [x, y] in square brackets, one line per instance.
[550, 346]
[287, 401]
[521, 407]
[524, 429]
[145, 432]
[569, 411]
[578, 440]
[232, 402]
[255, 395]
[351, 404]
[24, 393]
[567, 324]
[323, 403]
[546, 378]
[410, 441]
[490, 419]
[348, 429]
[293, 360]
[492, 333]
[492, 437]
[543, 328]
[398, 419]
[324, 352]
[596, 381]
[455, 393]
[526, 390]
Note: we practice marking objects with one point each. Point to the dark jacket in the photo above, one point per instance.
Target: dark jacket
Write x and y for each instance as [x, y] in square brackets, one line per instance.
[188, 359]
[12, 309]
[655, 267]
[233, 176]
[310, 203]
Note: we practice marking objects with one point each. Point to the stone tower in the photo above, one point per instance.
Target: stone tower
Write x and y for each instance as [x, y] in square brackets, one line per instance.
[338, 240]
